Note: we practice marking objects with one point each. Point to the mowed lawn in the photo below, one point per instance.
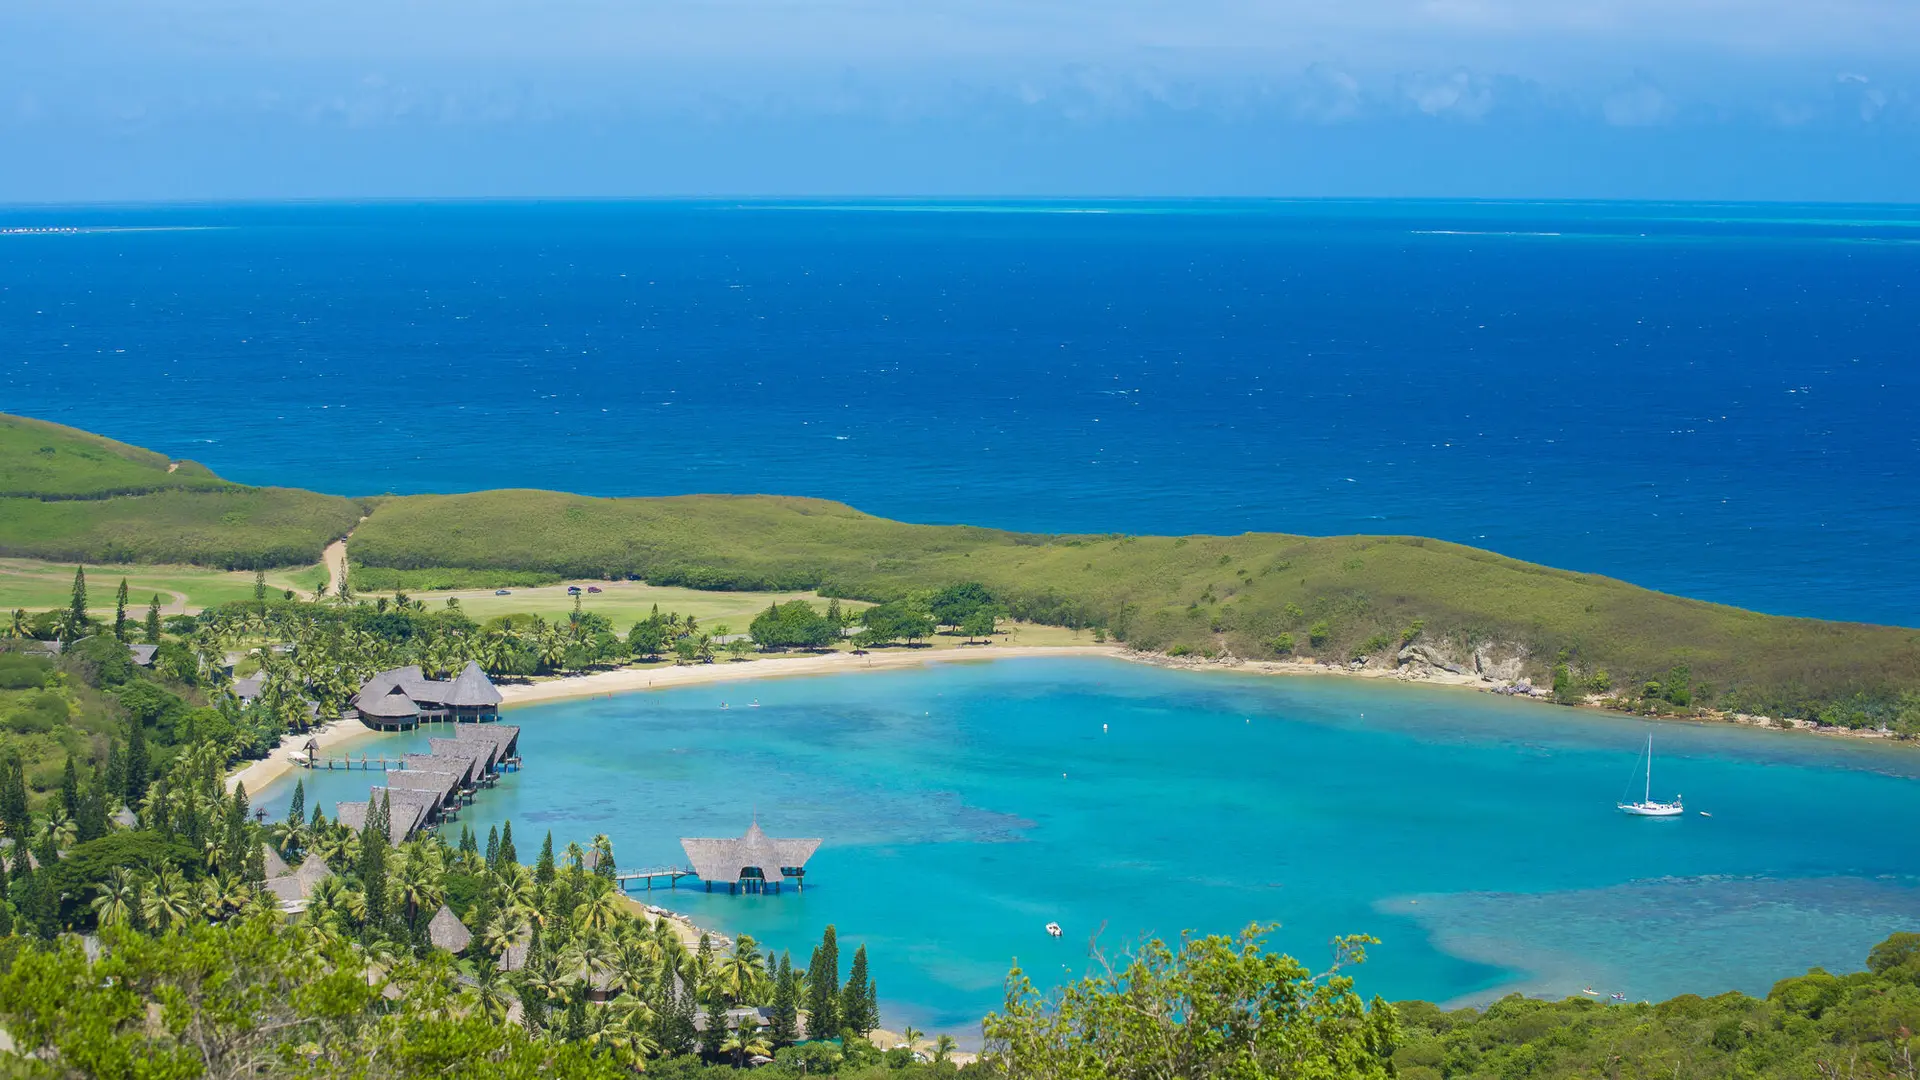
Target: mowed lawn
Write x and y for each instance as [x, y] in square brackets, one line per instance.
[625, 603]
[41, 586]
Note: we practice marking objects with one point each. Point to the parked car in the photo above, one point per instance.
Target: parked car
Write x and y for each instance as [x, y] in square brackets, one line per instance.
[503, 592]
[571, 589]
[593, 588]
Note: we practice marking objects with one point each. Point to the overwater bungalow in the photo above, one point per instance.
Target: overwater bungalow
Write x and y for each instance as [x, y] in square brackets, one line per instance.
[402, 698]
[408, 812]
[751, 863]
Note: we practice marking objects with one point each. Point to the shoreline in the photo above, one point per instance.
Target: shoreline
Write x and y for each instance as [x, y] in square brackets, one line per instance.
[258, 774]
[632, 680]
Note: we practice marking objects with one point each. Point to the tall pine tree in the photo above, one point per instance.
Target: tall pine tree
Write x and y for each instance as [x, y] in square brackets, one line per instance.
[493, 848]
[70, 789]
[543, 868]
[507, 855]
[120, 611]
[77, 609]
[15, 817]
[784, 1025]
[297, 809]
[856, 997]
[373, 862]
[823, 989]
[153, 621]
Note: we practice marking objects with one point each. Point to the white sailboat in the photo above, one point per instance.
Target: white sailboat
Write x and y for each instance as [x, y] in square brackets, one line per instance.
[1646, 807]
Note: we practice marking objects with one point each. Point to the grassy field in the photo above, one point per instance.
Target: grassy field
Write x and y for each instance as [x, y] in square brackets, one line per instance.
[623, 602]
[66, 495]
[32, 584]
[1201, 593]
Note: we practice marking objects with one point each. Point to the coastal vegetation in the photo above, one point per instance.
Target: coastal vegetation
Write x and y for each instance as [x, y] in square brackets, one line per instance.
[1255, 596]
[69, 495]
[1373, 602]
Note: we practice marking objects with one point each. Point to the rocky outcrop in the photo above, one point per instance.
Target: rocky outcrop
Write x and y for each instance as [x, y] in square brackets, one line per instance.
[1500, 662]
[1426, 655]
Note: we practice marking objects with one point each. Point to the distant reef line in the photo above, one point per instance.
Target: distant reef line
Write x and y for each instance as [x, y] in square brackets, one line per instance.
[1401, 603]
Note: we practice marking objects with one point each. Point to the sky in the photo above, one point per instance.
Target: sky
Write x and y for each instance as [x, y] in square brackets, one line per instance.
[164, 100]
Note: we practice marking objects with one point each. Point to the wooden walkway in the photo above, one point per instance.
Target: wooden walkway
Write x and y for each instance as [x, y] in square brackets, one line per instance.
[347, 761]
[672, 874]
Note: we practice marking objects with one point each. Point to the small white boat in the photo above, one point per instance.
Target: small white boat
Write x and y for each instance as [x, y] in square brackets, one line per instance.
[1703, 813]
[1589, 991]
[1646, 807]
[1053, 929]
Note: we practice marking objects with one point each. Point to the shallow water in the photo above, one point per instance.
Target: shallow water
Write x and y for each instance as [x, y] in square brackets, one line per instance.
[965, 805]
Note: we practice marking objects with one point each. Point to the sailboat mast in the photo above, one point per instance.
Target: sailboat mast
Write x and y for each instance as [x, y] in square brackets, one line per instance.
[1648, 796]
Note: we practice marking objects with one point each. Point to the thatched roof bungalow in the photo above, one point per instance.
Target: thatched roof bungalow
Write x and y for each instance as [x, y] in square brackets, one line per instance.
[292, 889]
[751, 861]
[468, 696]
[446, 931]
[408, 812]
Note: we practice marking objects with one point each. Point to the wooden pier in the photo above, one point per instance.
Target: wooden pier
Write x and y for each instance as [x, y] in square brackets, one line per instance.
[672, 874]
[347, 761]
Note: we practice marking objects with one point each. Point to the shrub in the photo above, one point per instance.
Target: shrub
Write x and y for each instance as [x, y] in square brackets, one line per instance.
[1319, 632]
[38, 714]
[1281, 644]
[21, 672]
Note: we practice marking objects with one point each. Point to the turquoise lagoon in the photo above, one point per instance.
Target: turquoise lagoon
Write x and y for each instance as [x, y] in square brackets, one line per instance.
[963, 806]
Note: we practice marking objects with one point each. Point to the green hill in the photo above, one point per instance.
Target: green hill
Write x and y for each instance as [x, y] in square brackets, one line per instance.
[70, 495]
[1333, 597]
[78, 497]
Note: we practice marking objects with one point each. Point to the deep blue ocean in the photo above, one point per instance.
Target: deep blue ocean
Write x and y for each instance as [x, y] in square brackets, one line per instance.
[1712, 400]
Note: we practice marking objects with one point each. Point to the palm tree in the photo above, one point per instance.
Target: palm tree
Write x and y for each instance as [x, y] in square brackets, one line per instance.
[223, 897]
[19, 623]
[912, 1035]
[741, 975]
[417, 884]
[943, 1048]
[629, 1031]
[600, 911]
[491, 992]
[119, 900]
[745, 1041]
[168, 903]
[547, 976]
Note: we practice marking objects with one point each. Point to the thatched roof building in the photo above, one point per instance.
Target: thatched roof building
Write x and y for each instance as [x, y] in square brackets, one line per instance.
[292, 889]
[446, 931]
[469, 696]
[497, 745]
[409, 810]
[751, 860]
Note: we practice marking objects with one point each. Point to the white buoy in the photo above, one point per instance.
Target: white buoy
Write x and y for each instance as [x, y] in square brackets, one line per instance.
[1103, 729]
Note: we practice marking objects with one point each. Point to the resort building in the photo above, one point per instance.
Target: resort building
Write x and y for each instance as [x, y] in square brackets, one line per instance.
[752, 863]
[431, 788]
[291, 889]
[446, 931]
[404, 698]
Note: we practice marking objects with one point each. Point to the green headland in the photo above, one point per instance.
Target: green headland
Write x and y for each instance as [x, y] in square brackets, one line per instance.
[1399, 603]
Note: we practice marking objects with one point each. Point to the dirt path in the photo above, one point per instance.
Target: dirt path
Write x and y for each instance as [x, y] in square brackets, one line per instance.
[336, 559]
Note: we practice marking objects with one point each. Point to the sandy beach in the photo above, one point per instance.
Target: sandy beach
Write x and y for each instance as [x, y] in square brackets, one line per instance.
[607, 683]
[258, 774]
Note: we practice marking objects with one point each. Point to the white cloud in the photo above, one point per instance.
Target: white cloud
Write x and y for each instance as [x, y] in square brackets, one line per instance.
[1641, 105]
